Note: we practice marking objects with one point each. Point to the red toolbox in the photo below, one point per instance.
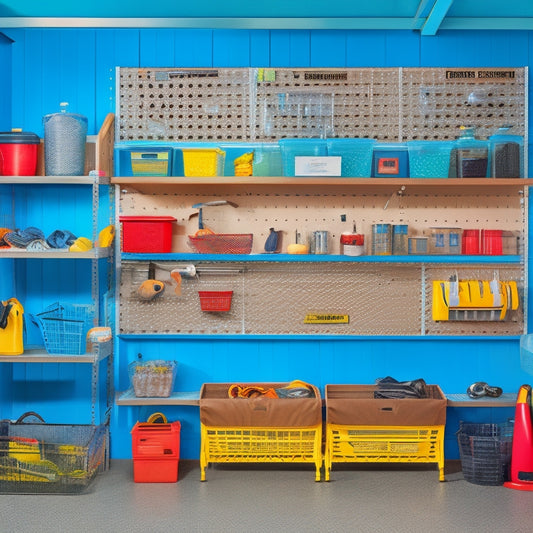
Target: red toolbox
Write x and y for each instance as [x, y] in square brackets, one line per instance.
[156, 452]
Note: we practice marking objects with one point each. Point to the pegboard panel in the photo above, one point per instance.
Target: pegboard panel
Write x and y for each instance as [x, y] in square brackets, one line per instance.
[290, 210]
[436, 102]
[327, 103]
[183, 104]
[245, 104]
[512, 325]
[274, 299]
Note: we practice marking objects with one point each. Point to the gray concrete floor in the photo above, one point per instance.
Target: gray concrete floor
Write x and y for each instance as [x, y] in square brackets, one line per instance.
[284, 498]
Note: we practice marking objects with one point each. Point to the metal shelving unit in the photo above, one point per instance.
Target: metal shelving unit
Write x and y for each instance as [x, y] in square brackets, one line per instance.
[102, 351]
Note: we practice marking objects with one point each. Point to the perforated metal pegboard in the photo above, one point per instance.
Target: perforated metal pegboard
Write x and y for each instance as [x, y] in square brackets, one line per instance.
[183, 104]
[270, 298]
[336, 210]
[273, 299]
[436, 102]
[251, 104]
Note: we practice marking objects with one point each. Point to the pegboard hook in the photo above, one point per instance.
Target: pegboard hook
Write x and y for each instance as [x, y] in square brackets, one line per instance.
[398, 193]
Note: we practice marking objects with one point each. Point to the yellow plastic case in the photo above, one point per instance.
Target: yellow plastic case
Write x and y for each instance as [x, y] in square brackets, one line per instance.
[261, 445]
[384, 444]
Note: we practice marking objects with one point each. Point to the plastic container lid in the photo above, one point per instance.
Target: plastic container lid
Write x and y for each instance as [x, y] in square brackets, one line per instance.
[19, 137]
[146, 219]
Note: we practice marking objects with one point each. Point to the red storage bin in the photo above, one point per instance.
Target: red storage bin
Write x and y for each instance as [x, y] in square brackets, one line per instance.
[492, 241]
[156, 452]
[18, 153]
[147, 234]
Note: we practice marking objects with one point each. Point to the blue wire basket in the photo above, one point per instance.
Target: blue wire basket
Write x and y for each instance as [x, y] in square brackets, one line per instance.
[64, 327]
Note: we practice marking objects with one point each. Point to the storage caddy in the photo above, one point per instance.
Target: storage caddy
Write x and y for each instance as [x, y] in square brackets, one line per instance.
[362, 429]
[259, 430]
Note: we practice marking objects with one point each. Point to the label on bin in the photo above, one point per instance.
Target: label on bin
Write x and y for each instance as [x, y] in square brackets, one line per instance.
[317, 166]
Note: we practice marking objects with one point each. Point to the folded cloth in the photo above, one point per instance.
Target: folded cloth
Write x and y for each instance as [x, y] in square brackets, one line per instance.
[38, 245]
[21, 238]
[3, 233]
[391, 388]
[61, 238]
[238, 391]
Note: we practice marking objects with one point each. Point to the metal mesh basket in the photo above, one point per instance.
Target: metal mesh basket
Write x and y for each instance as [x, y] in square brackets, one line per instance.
[64, 326]
[44, 458]
[222, 243]
[485, 451]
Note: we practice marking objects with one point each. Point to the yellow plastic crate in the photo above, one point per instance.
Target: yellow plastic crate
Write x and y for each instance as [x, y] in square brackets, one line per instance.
[203, 162]
[261, 445]
[384, 444]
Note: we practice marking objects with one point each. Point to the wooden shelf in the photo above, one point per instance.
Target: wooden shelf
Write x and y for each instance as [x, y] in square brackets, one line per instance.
[55, 180]
[317, 258]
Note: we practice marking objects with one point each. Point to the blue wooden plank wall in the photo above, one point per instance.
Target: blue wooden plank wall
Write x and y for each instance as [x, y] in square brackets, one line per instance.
[47, 66]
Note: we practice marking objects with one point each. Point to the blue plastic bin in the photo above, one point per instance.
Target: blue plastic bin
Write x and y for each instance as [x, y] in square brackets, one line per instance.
[429, 159]
[356, 155]
[291, 148]
[390, 160]
[143, 160]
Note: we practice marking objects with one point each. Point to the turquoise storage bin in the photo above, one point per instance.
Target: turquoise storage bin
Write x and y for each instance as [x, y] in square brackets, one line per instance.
[267, 160]
[429, 159]
[291, 148]
[356, 155]
[143, 159]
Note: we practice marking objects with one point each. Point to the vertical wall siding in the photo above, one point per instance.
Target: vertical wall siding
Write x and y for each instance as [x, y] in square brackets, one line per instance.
[78, 66]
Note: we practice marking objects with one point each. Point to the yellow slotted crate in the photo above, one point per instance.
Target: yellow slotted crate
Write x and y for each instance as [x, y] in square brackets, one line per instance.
[261, 444]
[384, 444]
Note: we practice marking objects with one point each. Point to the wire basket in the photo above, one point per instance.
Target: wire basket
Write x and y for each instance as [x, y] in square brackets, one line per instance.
[222, 243]
[218, 301]
[485, 451]
[64, 327]
[40, 458]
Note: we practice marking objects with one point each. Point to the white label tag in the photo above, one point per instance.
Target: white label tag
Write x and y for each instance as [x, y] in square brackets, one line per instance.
[317, 166]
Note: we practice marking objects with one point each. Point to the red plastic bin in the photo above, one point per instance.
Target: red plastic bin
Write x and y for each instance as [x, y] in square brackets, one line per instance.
[156, 452]
[147, 234]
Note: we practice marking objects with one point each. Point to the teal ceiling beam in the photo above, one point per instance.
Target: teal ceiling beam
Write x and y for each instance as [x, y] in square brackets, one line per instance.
[488, 23]
[296, 23]
[436, 16]
[424, 7]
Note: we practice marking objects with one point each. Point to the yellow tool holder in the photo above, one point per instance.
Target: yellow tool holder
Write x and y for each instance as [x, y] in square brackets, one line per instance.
[474, 300]
[384, 444]
[261, 445]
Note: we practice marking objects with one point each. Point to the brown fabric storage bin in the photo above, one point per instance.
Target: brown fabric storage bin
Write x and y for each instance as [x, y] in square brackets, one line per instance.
[355, 405]
[218, 409]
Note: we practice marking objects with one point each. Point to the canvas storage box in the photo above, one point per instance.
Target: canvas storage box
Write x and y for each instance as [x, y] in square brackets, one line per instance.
[258, 430]
[361, 428]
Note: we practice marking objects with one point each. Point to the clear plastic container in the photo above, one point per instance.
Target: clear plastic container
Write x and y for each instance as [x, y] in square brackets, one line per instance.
[356, 156]
[506, 155]
[292, 148]
[429, 159]
[471, 155]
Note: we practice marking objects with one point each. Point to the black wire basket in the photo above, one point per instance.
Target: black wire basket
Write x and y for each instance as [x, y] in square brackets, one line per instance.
[485, 451]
